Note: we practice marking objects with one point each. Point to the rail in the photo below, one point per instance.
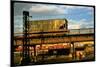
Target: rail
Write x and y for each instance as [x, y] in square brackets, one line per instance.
[70, 31]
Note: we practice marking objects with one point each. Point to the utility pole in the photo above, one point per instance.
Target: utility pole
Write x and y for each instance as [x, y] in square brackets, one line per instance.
[26, 41]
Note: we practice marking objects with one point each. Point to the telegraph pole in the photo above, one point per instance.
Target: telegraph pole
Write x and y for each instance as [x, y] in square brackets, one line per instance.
[26, 41]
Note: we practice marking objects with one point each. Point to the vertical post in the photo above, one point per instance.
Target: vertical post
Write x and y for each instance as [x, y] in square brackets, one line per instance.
[73, 50]
[66, 24]
[35, 59]
[26, 42]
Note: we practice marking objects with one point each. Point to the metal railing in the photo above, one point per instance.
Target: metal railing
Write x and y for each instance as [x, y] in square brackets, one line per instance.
[81, 31]
[70, 31]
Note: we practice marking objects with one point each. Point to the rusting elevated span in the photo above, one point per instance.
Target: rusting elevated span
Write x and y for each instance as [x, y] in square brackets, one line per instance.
[57, 37]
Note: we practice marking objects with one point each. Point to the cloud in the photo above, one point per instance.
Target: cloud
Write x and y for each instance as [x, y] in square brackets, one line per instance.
[78, 7]
[74, 26]
[79, 10]
[18, 23]
[82, 23]
[46, 9]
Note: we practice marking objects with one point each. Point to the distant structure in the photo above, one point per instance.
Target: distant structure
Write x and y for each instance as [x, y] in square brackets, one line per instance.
[65, 25]
[49, 25]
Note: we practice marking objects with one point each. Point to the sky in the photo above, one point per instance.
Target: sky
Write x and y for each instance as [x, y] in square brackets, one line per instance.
[77, 16]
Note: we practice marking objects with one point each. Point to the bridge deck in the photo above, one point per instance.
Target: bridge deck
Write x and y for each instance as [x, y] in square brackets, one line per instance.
[62, 36]
[45, 39]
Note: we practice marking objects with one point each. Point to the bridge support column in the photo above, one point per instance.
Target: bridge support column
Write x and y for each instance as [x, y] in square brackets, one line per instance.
[35, 59]
[73, 53]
